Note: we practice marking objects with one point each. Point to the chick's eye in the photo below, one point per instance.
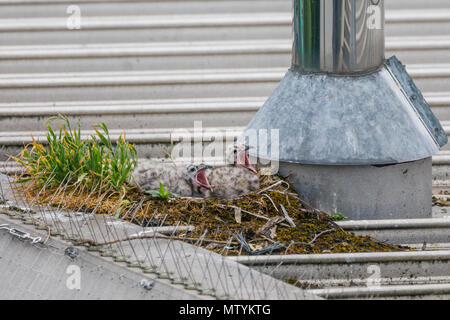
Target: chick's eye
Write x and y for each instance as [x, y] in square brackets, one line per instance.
[192, 169]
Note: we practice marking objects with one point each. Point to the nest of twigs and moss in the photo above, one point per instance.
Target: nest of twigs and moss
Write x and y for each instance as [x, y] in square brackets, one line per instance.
[272, 220]
[92, 174]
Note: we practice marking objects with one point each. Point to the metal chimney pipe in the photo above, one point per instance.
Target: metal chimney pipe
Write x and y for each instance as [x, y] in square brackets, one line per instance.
[350, 129]
[335, 36]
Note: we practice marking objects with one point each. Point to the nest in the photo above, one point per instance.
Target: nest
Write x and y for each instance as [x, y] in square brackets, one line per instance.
[272, 220]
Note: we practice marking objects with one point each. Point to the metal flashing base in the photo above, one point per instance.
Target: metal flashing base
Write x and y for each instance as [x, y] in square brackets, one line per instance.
[376, 118]
[401, 191]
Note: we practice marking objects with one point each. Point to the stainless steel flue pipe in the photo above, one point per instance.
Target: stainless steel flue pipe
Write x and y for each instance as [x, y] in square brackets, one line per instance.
[352, 131]
[338, 36]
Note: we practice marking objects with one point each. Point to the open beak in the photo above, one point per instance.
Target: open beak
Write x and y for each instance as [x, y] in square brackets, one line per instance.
[200, 177]
[245, 162]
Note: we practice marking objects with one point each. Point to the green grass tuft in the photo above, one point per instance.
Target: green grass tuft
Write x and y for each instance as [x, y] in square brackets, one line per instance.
[338, 217]
[68, 159]
[162, 193]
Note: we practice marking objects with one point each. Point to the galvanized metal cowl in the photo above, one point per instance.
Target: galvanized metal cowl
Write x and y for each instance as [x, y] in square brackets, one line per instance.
[356, 135]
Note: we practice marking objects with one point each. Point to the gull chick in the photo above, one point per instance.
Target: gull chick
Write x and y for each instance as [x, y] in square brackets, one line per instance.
[184, 180]
[235, 179]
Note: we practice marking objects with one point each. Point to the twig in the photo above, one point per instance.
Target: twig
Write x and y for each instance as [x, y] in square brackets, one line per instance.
[314, 239]
[240, 238]
[238, 214]
[251, 214]
[270, 187]
[281, 192]
[273, 203]
[297, 197]
[268, 239]
[318, 213]
[286, 216]
[145, 236]
[287, 200]
[244, 244]
[270, 248]
[269, 225]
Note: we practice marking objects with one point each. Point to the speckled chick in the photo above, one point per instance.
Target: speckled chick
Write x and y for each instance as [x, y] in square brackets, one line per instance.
[230, 182]
[183, 180]
[236, 178]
